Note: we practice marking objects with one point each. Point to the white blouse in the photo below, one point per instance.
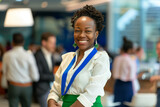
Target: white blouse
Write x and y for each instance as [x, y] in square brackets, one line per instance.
[89, 83]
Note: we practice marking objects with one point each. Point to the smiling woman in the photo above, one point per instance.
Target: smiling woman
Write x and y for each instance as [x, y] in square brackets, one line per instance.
[82, 75]
[85, 32]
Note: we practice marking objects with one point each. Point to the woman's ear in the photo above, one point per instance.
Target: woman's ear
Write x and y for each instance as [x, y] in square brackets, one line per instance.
[97, 33]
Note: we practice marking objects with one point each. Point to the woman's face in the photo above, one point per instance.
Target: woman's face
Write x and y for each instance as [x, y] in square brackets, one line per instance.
[85, 32]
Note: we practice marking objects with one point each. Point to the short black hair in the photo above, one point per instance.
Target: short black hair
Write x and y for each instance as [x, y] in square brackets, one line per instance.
[91, 12]
[127, 44]
[18, 39]
[46, 35]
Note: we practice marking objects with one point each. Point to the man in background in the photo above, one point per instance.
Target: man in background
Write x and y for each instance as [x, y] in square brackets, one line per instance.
[45, 63]
[20, 70]
[157, 77]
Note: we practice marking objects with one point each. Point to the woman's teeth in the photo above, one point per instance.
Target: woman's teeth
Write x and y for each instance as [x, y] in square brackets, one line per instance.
[82, 41]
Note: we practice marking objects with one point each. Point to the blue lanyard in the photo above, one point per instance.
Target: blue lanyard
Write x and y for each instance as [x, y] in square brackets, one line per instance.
[64, 76]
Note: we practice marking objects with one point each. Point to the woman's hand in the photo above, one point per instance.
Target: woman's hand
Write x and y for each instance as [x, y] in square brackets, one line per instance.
[77, 104]
[53, 103]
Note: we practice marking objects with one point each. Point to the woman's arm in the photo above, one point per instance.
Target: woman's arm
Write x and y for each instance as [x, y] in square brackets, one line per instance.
[54, 94]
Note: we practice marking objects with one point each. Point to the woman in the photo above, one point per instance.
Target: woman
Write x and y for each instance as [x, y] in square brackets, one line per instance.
[124, 71]
[90, 65]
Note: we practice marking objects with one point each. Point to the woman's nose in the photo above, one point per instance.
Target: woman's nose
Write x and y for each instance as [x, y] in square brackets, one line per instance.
[82, 34]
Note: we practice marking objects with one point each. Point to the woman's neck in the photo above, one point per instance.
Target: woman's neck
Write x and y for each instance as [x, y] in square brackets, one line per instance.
[81, 53]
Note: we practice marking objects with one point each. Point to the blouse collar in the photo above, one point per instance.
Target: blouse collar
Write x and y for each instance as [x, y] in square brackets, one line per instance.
[87, 52]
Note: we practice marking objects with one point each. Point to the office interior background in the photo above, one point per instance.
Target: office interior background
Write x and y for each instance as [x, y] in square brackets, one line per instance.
[138, 20]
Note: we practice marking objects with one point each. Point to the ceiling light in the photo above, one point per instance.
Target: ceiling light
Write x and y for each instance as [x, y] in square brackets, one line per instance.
[44, 4]
[78, 5]
[66, 2]
[19, 0]
[3, 7]
[18, 17]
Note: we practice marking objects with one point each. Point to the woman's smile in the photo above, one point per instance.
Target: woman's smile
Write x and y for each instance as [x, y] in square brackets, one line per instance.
[82, 42]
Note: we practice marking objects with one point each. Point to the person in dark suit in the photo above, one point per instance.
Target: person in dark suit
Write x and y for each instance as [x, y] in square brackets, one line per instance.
[45, 65]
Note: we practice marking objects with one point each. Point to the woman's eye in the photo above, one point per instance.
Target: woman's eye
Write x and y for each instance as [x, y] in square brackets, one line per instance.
[77, 31]
[88, 31]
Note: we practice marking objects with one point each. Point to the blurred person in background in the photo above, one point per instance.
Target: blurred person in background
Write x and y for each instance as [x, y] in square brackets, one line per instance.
[140, 56]
[33, 48]
[58, 53]
[137, 56]
[8, 46]
[20, 70]
[1, 52]
[124, 72]
[45, 63]
[157, 77]
[61, 50]
[1, 56]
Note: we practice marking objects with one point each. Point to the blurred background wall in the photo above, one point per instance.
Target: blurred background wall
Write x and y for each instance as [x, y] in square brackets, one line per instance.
[138, 20]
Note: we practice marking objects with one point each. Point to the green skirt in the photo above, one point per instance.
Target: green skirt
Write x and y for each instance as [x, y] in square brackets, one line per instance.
[68, 100]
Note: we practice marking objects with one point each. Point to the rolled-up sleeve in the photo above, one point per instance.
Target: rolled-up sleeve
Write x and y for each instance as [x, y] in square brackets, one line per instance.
[100, 74]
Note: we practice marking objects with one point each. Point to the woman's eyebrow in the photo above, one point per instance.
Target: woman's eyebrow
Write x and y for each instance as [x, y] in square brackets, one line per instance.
[87, 27]
[77, 27]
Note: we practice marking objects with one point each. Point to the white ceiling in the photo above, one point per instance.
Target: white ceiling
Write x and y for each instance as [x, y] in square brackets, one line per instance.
[53, 5]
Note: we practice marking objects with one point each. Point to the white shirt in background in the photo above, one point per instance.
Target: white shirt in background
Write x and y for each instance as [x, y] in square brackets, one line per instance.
[18, 65]
[89, 83]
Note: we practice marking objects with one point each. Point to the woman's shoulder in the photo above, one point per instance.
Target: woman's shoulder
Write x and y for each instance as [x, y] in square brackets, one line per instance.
[101, 55]
[68, 54]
